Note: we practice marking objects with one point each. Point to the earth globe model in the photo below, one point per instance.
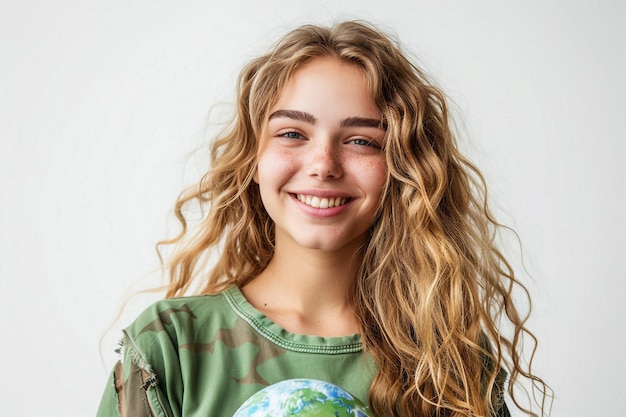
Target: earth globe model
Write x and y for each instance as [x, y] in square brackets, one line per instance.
[303, 398]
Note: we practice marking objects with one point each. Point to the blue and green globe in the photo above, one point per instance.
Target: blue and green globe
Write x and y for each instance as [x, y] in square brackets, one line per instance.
[303, 398]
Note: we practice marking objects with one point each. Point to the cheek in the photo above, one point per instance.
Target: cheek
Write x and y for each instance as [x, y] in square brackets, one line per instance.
[273, 167]
[375, 175]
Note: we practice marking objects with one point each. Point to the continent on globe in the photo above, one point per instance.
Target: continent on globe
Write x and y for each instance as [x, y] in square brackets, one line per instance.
[304, 398]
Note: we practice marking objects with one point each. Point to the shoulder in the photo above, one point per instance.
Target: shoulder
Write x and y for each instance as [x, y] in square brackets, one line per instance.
[181, 319]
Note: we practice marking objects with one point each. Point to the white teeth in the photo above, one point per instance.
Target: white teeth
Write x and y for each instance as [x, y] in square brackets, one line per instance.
[323, 203]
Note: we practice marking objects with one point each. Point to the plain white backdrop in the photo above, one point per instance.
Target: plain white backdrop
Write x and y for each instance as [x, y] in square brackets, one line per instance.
[103, 115]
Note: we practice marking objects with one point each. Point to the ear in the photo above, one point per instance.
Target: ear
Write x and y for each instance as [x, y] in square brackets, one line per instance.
[255, 176]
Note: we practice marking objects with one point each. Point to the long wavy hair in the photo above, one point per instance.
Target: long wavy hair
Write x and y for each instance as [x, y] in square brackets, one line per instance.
[433, 290]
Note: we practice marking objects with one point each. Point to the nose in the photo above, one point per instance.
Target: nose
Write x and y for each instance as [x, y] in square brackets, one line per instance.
[325, 161]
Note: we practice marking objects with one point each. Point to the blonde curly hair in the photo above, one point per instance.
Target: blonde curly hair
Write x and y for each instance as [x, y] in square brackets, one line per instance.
[432, 288]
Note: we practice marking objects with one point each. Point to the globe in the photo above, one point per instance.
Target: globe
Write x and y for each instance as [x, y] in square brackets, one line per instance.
[304, 398]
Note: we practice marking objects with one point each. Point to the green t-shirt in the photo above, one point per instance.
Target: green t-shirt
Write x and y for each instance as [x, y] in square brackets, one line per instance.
[204, 356]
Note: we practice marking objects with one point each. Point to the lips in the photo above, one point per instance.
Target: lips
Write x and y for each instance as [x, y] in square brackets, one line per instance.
[321, 202]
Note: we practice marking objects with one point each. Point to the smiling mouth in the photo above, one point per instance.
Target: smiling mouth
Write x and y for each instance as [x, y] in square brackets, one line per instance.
[321, 202]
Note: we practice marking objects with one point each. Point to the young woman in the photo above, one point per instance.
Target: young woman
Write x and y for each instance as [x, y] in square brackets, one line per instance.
[354, 246]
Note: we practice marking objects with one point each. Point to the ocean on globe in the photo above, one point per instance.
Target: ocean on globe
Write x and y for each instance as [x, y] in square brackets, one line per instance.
[303, 398]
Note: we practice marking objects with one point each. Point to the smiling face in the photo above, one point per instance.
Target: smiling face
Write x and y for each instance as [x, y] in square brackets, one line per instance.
[320, 164]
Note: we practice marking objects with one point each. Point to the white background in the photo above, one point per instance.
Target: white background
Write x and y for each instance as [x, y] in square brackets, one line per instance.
[103, 110]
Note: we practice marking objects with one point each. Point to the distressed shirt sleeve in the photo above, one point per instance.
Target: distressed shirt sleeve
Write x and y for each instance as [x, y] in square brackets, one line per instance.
[498, 395]
[127, 394]
[144, 383]
[498, 389]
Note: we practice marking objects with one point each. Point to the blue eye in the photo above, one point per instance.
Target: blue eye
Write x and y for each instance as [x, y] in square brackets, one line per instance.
[291, 135]
[364, 142]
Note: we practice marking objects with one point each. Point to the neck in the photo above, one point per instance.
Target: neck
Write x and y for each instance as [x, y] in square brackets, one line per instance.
[306, 291]
[303, 273]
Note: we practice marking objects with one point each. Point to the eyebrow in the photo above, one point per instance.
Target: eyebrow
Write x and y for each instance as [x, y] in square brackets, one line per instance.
[309, 118]
[295, 115]
[362, 122]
